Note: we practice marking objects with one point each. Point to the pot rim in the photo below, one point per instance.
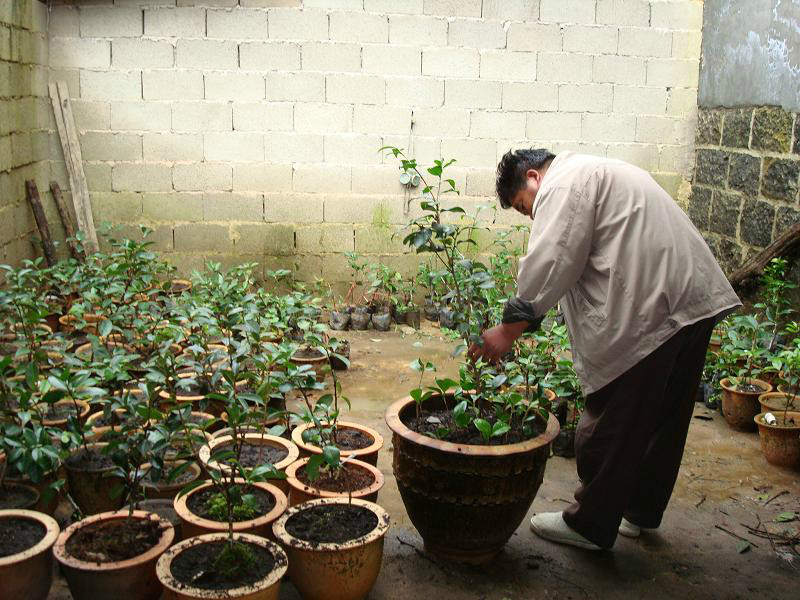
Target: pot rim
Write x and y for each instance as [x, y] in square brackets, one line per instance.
[60, 547]
[169, 487]
[20, 484]
[51, 533]
[767, 396]
[287, 539]
[91, 446]
[207, 449]
[281, 503]
[375, 446]
[166, 578]
[322, 358]
[373, 488]
[85, 408]
[392, 418]
[794, 413]
[767, 387]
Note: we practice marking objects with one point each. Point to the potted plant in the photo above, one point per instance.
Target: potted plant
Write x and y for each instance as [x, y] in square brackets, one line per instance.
[359, 314]
[26, 559]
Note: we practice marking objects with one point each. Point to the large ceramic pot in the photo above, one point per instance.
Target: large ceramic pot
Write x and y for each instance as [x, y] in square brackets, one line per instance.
[27, 575]
[51, 420]
[368, 454]
[740, 408]
[165, 490]
[92, 489]
[465, 500]
[779, 400]
[131, 579]
[329, 571]
[300, 492]
[780, 442]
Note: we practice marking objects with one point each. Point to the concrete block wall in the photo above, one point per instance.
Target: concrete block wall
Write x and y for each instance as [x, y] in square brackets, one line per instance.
[250, 129]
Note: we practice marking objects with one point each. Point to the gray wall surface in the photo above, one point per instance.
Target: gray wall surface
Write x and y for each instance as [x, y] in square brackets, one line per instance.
[751, 53]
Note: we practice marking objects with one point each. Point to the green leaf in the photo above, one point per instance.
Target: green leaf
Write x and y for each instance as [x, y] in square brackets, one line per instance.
[743, 546]
[500, 428]
[460, 416]
[105, 328]
[331, 455]
[313, 465]
[483, 426]
[785, 517]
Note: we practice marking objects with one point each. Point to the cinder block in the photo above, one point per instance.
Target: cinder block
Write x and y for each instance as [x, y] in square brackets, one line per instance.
[331, 56]
[321, 178]
[640, 100]
[98, 176]
[417, 30]
[80, 53]
[91, 115]
[376, 179]
[293, 147]
[201, 116]
[567, 11]
[686, 44]
[202, 176]
[424, 149]
[315, 239]
[323, 118]
[335, 4]
[515, 10]
[203, 237]
[452, 8]
[141, 177]
[173, 146]
[408, 7]
[216, 3]
[473, 33]
[272, 116]
[308, 268]
[608, 128]
[206, 54]
[352, 148]
[623, 12]
[301, 87]
[111, 85]
[293, 208]
[64, 22]
[469, 152]
[140, 116]
[234, 146]
[269, 56]
[472, 93]
[392, 60]
[359, 27]
[682, 102]
[172, 85]
[595, 97]
[381, 119]
[69, 76]
[627, 70]
[496, 124]
[172, 208]
[106, 21]
[116, 207]
[175, 22]
[496, 64]
[565, 68]
[289, 24]
[549, 126]
[265, 177]
[374, 239]
[267, 3]
[443, 122]
[239, 23]
[355, 89]
[99, 145]
[264, 238]
[643, 41]
[530, 96]
[450, 62]
[663, 130]
[481, 182]
[234, 86]
[229, 207]
[592, 39]
[676, 159]
[143, 54]
[644, 156]
[673, 72]
[677, 14]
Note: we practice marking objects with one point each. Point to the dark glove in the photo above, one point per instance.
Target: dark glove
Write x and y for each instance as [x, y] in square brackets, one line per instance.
[517, 310]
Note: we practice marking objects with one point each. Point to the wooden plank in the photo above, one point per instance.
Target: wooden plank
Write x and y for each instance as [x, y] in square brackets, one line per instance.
[66, 219]
[41, 222]
[754, 268]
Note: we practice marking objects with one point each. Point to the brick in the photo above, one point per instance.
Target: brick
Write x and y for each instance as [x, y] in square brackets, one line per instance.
[424, 149]
[662, 130]
[98, 176]
[596, 97]
[567, 11]
[202, 237]
[374, 239]
[175, 22]
[516, 10]
[625, 70]
[69, 76]
[544, 127]
[530, 96]
[642, 41]
[452, 8]
[110, 146]
[234, 86]
[115, 22]
[359, 27]
[534, 37]
[171, 208]
[321, 178]
[700, 207]
[686, 44]
[234, 146]
[142, 54]
[678, 14]
[172, 85]
[360, 209]
[293, 208]
[709, 126]
[470, 153]
[357, 148]
[592, 39]
[772, 130]
[80, 53]
[335, 4]
[323, 118]
[331, 56]
[268, 3]
[293, 147]
[441, 122]
[173, 146]
[64, 22]
[262, 178]
[779, 179]
[206, 54]
[736, 127]
[472, 94]
[481, 182]
[392, 60]
[272, 116]
[681, 101]
[519, 66]
[202, 176]
[269, 56]
[289, 24]
[304, 87]
[473, 33]
[410, 7]
[417, 31]
[239, 23]
[785, 217]
[711, 167]
[744, 173]
[673, 72]
[564, 68]
[111, 85]
[756, 223]
[233, 207]
[264, 238]
[725, 209]
[325, 238]
[355, 89]
[141, 177]
[497, 125]
[381, 119]
[201, 116]
[91, 115]
[451, 62]
[116, 208]
[639, 100]
[644, 156]
[624, 12]
[608, 128]
[376, 179]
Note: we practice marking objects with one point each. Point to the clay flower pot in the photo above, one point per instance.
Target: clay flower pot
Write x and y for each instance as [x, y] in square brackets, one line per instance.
[99, 431]
[132, 579]
[92, 488]
[318, 363]
[740, 408]
[18, 496]
[167, 491]
[192, 524]
[300, 492]
[465, 499]
[331, 571]
[68, 322]
[61, 422]
[266, 589]
[780, 442]
[773, 401]
[368, 454]
[48, 497]
[213, 407]
[178, 286]
[28, 574]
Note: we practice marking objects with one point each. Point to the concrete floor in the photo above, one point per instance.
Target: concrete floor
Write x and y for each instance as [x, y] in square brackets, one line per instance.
[722, 477]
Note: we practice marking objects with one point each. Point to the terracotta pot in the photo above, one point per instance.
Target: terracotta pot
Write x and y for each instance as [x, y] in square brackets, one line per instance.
[266, 589]
[368, 454]
[165, 490]
[327, 571]
[318, 363]
[61, 423]
[212, 406]
[739, 408]
[253, 438]
[777, 401]
[48, 497]
[300, 492]
[780, 445]
[178, 286]
[92, 489]
[32, 493]
[99, 431]
[465, 500]
[132, 579]
[28, 575]
[67, 323]
[193, 524]
[228, 431]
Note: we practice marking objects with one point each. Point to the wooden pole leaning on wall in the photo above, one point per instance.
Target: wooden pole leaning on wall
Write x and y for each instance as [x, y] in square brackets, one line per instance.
[66, 219]
[754, 267]
[68, 134]
[41, 222]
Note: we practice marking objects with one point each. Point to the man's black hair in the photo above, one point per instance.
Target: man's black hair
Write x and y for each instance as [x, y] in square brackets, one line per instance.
[512, 168]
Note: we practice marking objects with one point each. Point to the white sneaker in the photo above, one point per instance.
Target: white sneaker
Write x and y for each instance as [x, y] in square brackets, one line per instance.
[551, 526]
[628, 529]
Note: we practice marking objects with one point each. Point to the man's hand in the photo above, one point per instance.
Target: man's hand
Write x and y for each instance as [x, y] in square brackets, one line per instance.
[497, 341]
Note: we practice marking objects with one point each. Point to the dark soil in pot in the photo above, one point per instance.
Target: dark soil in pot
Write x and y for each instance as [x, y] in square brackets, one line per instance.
[344, 350]
[115, 419]
[17, 535]
[332, 523]
[17, 496]
[182, 479]
[112, 541]
[412, 318]
[431, 421]
[198, 503]
[431, 311]
[352, 439]
[749, 388]
[360, 319]
[89, 460]
[447, 318]
[382, 321]
[349, 478]
[309, 353]
[253, 455]
[564, 444]
[57, 412]
[339, 320]
[195, 567]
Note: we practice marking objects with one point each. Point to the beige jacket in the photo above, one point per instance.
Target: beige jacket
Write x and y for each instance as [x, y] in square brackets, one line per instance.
[624, 260]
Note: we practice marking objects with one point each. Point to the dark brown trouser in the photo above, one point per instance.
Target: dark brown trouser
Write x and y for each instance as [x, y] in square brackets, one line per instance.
[630, 439]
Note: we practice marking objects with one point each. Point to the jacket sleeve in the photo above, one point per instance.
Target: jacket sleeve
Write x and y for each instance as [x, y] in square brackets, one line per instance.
[559, 246]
